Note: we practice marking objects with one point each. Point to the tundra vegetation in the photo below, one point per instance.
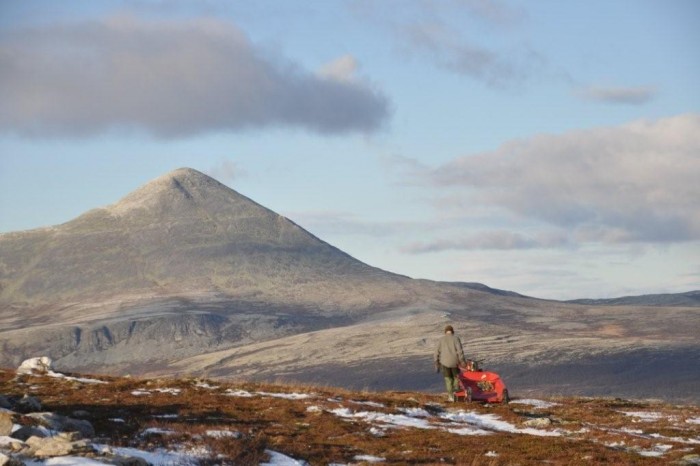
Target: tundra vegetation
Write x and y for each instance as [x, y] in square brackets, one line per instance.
[207, 422]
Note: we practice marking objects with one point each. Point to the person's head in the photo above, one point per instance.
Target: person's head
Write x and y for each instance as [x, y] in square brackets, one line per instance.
[449, 329]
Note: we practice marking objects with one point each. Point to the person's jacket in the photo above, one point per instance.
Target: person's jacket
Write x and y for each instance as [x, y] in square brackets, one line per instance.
[449, 351]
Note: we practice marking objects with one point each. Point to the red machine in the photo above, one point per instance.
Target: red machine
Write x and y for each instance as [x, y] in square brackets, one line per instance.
[480, 385]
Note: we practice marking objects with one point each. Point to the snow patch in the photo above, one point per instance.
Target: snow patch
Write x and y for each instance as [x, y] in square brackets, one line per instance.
[223, 434]
[239, 393]
[535, 403]
[369, 458]
[278, 459]
[644, 416]
[287, 396]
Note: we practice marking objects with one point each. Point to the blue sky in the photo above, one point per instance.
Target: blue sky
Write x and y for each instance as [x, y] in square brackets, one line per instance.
[550, 148]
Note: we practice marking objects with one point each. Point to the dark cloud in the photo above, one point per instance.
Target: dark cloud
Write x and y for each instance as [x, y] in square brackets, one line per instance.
[633, 183]
[619, 95]
[168, 78]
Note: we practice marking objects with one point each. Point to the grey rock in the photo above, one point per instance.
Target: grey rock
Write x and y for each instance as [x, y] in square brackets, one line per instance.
[5, 402]
[28, 404]
[60, 423]
[26, 432]
[80, 414]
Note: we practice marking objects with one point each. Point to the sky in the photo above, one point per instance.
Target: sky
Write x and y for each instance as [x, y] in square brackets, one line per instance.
[550, 148]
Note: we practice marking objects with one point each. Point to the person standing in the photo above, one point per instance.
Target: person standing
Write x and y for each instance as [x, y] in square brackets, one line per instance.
[449, 355]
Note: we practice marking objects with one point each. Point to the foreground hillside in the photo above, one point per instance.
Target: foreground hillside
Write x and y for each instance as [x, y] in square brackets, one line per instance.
[200, 422]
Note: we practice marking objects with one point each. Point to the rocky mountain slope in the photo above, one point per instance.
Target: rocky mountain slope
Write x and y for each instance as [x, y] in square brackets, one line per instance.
[71, 419]
[186, 276]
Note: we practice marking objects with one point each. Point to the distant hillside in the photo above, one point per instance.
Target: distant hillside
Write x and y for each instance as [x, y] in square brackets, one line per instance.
[187, 276]
[689, 299]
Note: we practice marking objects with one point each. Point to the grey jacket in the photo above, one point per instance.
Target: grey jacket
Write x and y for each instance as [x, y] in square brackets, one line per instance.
[449, 351]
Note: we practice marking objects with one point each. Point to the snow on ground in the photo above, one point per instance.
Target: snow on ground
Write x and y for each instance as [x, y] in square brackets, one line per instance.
[172, 391]
[373, 404]
[223, 434]
[159, 457]
[65, 461]
[117, 419]
[287, 396]
[535, 403]
[240, 393]
[369, 458]
[205, 385]
[458, 422]
[58, 375]
[166, 416]
[278, 459]
[140, 393]
[493, 423]
[387, 420]
[491, 454]
[644, 416]
[693, 420]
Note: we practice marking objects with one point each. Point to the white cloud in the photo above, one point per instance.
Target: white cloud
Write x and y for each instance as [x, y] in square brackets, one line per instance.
[168, 78]
[618, 95]
[632, 183]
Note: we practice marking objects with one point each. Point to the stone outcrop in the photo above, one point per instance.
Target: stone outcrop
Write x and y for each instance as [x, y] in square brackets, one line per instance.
[41, 435]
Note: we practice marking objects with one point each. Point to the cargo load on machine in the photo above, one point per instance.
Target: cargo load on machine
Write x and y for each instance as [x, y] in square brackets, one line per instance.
[479, 385]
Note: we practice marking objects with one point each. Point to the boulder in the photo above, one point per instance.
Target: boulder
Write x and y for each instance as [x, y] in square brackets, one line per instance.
[60, 423]
[41, 365]
[56, 446]
[25, 432]
[5, 402]
[29, 404]
[539, 422]
[6, 422]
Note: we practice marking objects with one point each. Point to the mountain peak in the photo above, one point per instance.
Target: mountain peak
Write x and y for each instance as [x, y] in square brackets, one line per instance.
[181, 187]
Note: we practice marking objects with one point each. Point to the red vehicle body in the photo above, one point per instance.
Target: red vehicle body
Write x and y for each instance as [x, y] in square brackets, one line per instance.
[479, 385]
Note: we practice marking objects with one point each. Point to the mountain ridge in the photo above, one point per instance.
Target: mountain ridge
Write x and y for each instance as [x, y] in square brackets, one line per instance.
[186, 276]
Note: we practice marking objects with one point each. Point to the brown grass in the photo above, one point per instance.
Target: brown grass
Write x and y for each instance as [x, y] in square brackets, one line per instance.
[321, 437]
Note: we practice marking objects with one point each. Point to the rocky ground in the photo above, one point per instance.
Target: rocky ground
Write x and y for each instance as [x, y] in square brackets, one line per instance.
[59, 419]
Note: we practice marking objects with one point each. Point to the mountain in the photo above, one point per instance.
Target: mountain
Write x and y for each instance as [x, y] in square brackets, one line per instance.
[688, 299]
[187, 276]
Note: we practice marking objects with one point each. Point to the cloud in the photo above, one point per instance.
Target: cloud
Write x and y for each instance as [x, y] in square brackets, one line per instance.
[497, 240]
[225, 171]
[450, 50]
[618, 95]
[632, 183]
[447, 33]
[167, 78]
[345, 223]
[342, 69]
